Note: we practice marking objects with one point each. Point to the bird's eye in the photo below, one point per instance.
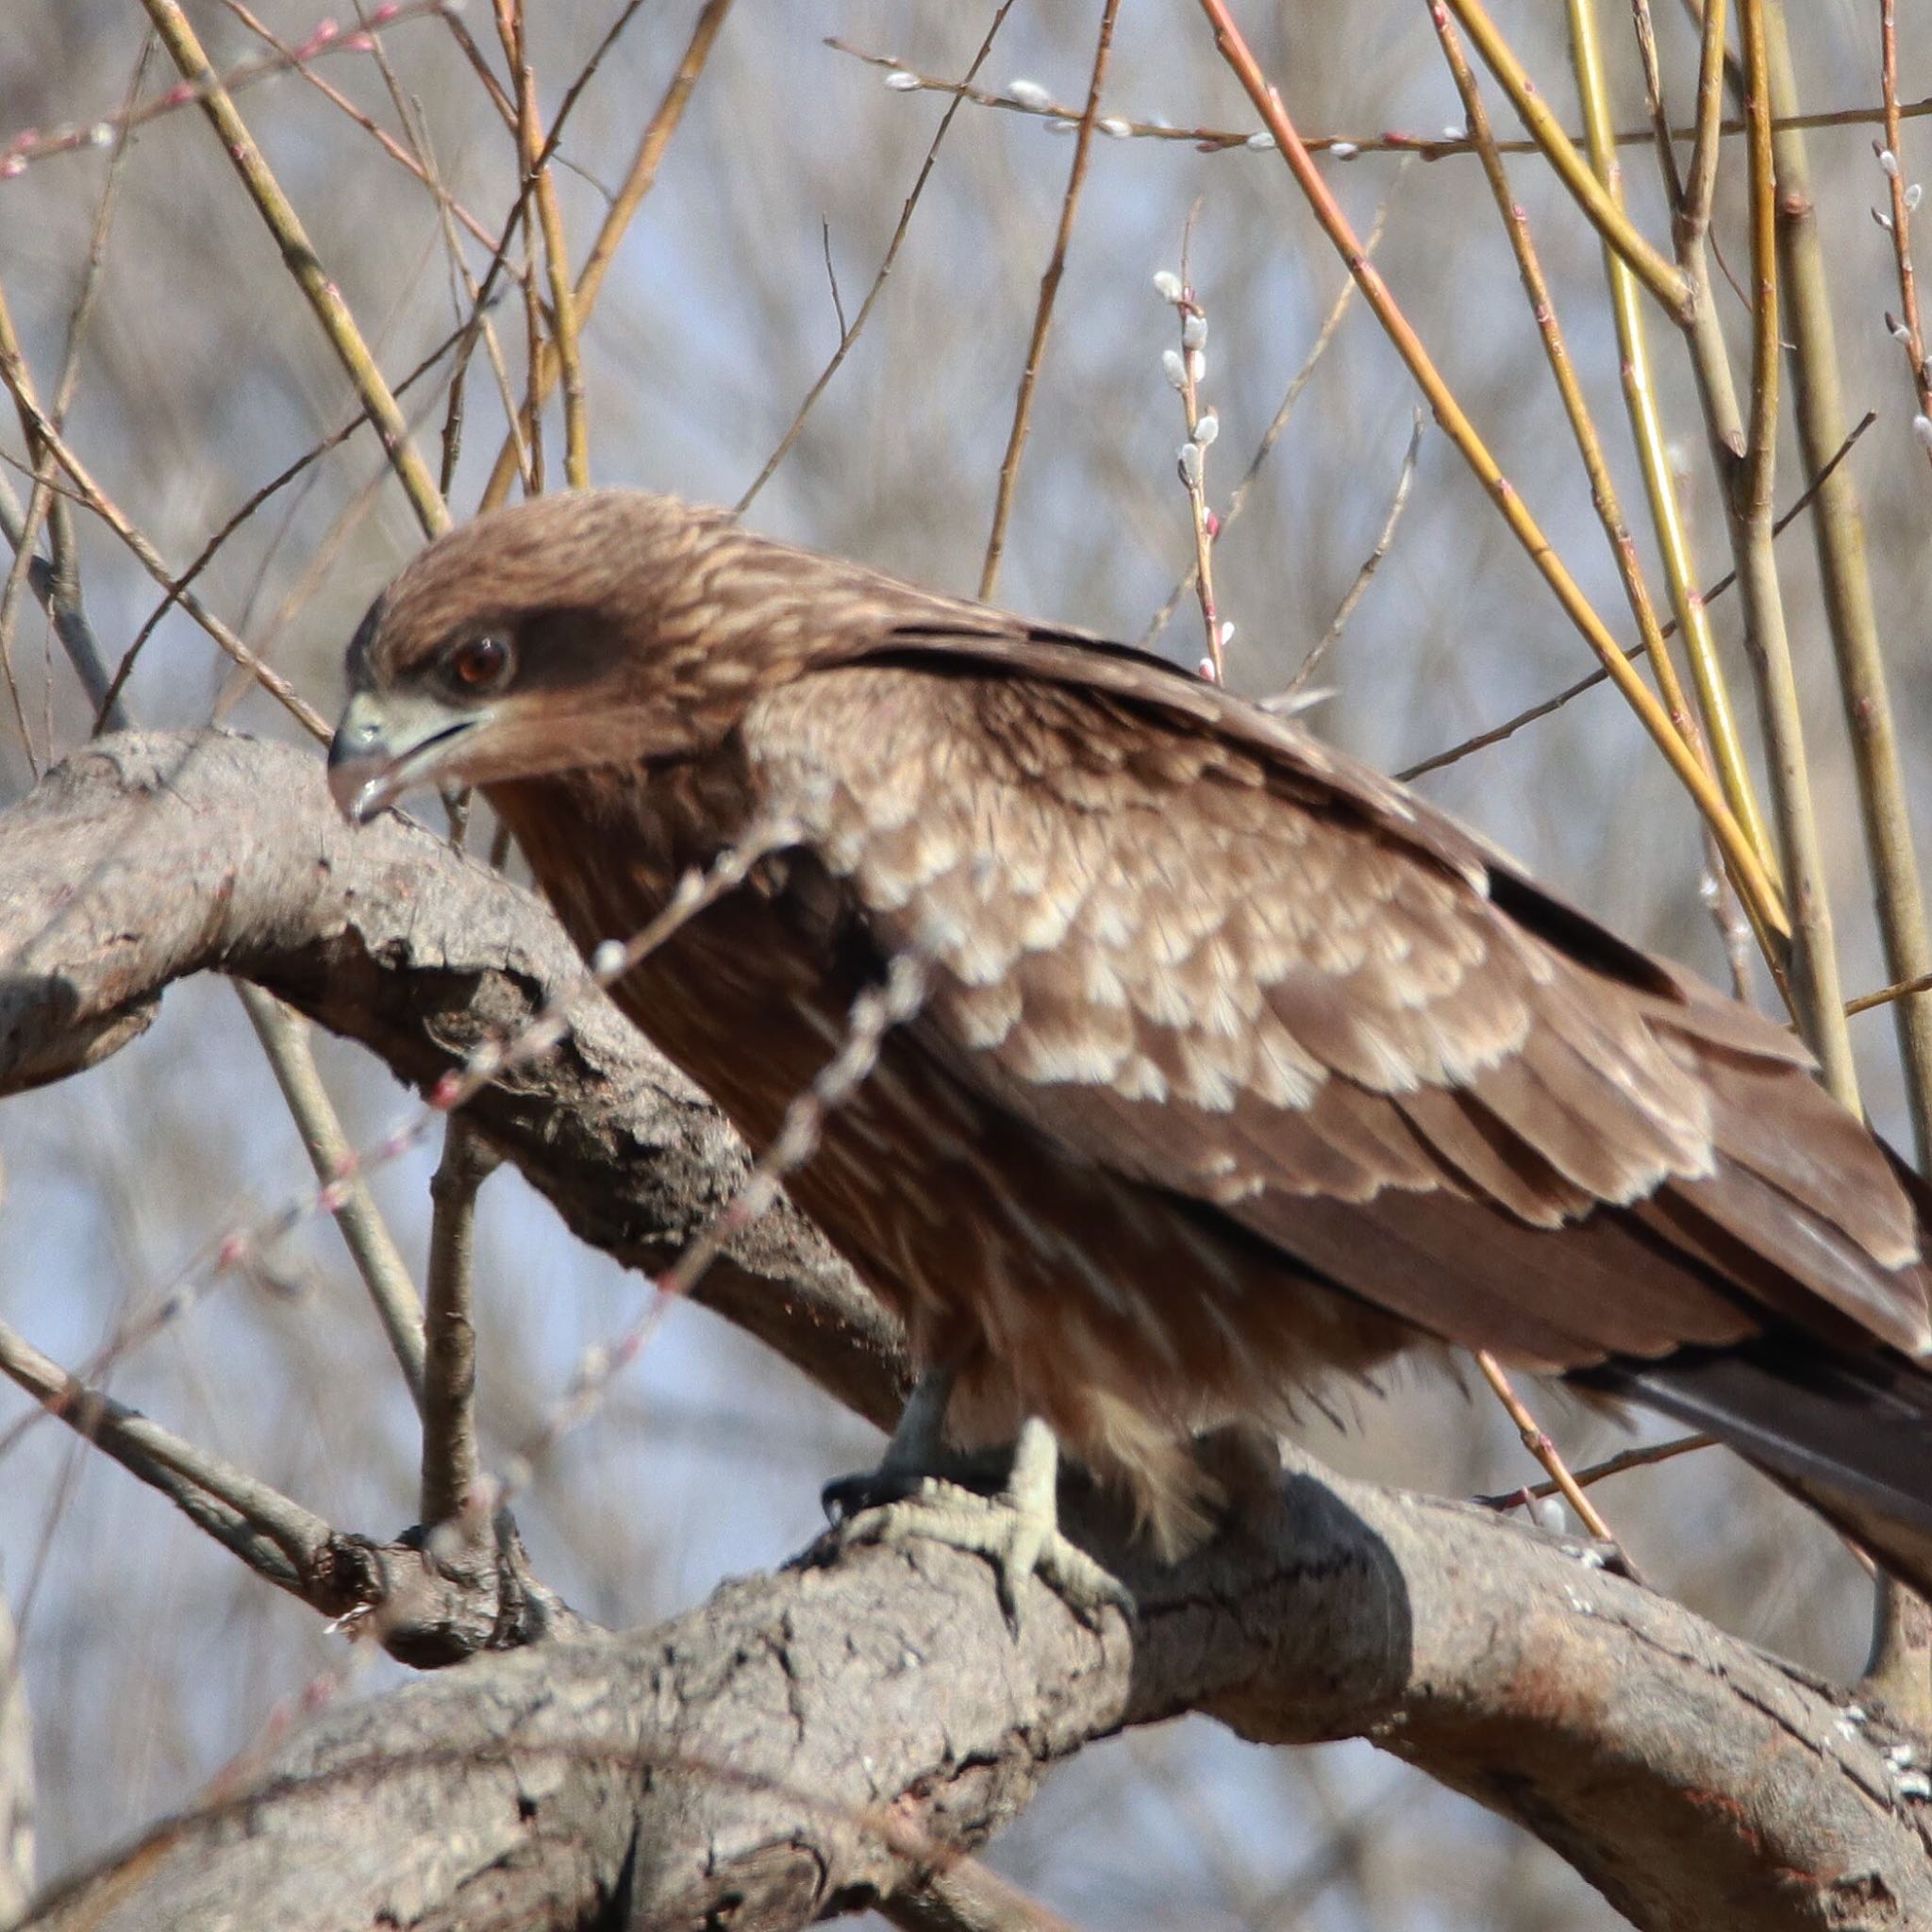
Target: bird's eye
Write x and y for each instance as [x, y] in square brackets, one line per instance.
[480, 664]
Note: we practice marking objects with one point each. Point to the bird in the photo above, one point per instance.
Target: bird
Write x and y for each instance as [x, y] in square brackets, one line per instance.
[1215, 1068]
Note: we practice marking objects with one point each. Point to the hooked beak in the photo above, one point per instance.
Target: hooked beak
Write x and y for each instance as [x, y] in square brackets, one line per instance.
[386, 746]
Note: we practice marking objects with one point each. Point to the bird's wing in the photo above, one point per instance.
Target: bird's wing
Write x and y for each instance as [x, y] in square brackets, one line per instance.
[1198, 947]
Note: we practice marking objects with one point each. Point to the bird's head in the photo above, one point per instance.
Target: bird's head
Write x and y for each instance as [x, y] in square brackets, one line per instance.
[582, 628]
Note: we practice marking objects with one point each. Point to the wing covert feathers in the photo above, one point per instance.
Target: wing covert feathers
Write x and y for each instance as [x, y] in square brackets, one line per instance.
[1195, 947]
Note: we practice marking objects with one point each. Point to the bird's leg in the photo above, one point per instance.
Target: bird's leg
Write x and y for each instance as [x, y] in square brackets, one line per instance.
[915, 1453]
[1017, 1531]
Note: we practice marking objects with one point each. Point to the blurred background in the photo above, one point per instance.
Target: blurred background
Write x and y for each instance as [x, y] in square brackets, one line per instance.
[149, 1656]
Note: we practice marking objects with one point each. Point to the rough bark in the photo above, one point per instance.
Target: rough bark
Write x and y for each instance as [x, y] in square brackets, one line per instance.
[810, 1740]
[150, 857]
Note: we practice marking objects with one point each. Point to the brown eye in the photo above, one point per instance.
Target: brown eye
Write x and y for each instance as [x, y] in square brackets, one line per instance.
[481, 664]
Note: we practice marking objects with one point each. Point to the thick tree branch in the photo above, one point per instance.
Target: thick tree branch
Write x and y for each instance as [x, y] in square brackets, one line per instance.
[150, 857]
[810, 1740]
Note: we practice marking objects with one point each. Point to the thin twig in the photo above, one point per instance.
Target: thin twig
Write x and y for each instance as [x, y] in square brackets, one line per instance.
[563, 340]
[1042, 313]
[1619, 1464]
[1539, 1445]
[1583, 428]
[277, 1538]
[849, 335]
[1510, 726]
[44, 503]
[1237, 497]
[1186, 367]
[1343, 147]
[1371, 564]
[1754, 883]
[343, 105]
[1850, 608]
[1817, 1003]
[638, 182]
[35, 145]
[832, 276]
[451, 1464]
[1905, 325]
[12, 373]
[58, 590]
[890, 1003]
[1661, 490]
[107, 703]
[284, 1037]
[303, 265]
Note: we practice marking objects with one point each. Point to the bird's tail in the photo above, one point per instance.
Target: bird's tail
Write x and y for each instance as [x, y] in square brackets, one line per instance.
[1850, 1434]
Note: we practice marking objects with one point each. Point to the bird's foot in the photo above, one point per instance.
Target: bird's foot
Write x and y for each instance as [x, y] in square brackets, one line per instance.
[1016, 1530]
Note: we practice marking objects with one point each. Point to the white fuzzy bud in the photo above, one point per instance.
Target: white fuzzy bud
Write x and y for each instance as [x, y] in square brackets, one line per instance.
[1195, 332]
[1207, 429]
[1114, 125]
[101, 134]
[1452, 131]
[1345, 150]
[1913, 195]
[1884, 221]
[1226, 634]
[608, 958]
[1260, 142]
[1189, 458]
[1177, 370]
[1889, 162]
[1197, 367]
[1167, 285]
[1061, 125]
[900, 82]
[1029, 94]
[1922, 428]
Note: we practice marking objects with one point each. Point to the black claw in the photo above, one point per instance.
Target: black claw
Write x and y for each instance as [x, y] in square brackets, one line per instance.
[847, 1496]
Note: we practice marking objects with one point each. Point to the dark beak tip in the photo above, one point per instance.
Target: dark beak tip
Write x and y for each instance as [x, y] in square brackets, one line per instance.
[355, 782]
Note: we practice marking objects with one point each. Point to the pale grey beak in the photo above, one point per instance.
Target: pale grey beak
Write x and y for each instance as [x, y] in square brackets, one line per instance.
[385, 747]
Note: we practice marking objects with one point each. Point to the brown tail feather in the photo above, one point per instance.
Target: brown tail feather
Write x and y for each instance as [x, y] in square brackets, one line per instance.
[1850, 1434]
